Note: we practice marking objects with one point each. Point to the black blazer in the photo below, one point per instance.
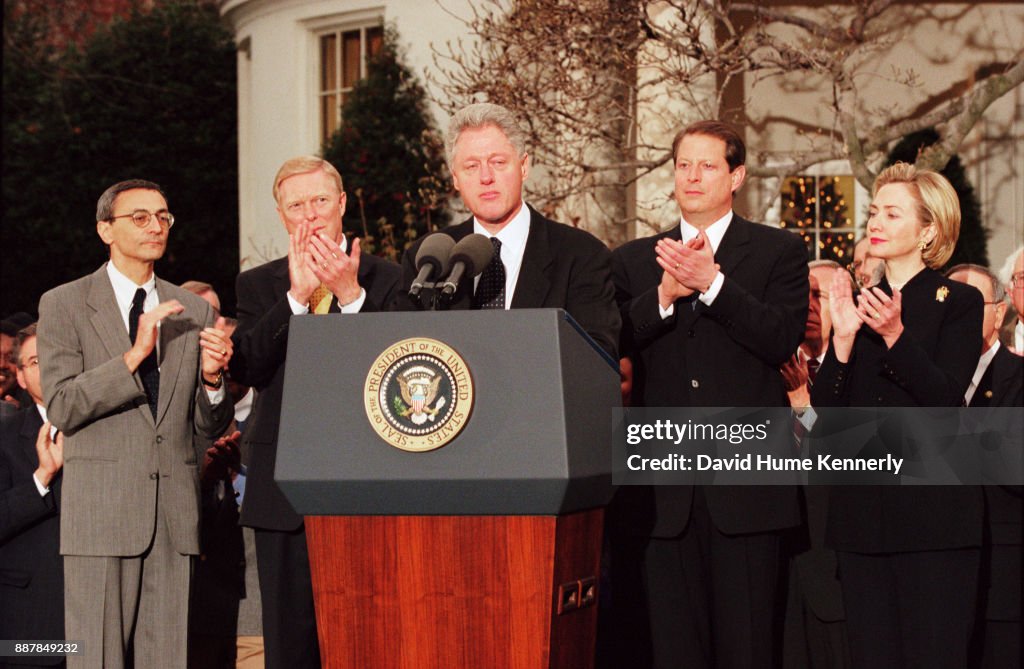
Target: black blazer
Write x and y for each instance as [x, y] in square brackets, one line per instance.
[1002, 384]
[930, 365]
[261, 342]
[31, 568]
[563, 267]
[726, 354]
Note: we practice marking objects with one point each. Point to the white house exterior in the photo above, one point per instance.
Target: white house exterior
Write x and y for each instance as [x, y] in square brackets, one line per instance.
[280, 84]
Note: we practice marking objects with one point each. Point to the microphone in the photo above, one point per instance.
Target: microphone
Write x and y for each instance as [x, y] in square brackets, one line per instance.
[469, 257]
[431, 260]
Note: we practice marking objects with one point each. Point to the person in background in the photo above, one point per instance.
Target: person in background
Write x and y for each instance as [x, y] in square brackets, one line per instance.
[225, 618]
[1012, 276]
[31, 568]
[998, 381]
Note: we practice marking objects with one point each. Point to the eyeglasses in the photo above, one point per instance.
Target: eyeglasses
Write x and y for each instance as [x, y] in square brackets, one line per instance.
[141, 218]
[1017, 280]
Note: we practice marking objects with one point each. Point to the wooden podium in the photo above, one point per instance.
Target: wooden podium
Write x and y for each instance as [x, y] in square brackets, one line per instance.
[482, 553]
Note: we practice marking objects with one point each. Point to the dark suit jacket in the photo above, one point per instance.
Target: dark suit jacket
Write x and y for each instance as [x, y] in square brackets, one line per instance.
[563, 267]
[930, 365]
[31, 568]
[727, 354]
[1002, 384]
[261, 342]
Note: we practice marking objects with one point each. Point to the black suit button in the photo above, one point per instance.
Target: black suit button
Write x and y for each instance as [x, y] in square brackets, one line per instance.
[691, 333]
[154, 476]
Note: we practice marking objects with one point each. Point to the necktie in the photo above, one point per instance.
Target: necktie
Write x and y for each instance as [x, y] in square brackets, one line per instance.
[812, 370]
[148, 371]
[320, 300]
[490, 292]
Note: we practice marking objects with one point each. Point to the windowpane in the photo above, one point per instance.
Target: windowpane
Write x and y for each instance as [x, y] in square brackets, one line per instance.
[820, 209]
[328, 116]
[328, 62]
[350, 58]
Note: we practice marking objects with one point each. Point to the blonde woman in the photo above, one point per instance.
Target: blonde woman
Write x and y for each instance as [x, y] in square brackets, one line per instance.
[908, 557]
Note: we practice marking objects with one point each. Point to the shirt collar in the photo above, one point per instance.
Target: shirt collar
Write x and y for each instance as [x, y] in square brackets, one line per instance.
[715, 231]
[513, 235]
[124, 288]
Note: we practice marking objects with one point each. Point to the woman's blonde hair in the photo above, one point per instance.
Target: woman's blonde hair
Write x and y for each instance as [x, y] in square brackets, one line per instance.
[937, 205]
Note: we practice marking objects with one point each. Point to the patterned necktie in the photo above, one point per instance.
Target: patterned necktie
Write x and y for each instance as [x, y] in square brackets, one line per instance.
[490, 292]
[149, 372]
[320, 300]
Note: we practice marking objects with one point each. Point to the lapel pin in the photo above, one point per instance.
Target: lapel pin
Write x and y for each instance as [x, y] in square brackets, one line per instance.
[941, 293]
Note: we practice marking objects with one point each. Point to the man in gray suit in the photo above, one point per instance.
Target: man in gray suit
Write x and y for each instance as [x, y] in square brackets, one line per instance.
[131, 368]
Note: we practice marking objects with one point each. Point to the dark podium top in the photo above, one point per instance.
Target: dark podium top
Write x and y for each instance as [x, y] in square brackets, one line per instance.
[538, 440]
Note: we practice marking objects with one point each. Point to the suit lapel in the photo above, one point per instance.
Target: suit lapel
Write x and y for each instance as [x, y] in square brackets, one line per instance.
[106, 317]
[533, 283]
[735, 245]
[29, 431]
[173, 335]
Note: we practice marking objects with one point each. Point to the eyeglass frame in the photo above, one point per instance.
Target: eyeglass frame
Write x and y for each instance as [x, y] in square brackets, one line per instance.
[150, 215]
[1017, 280]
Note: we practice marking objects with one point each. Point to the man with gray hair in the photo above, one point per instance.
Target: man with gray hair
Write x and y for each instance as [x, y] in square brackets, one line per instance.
[1012, 276]
[537, 262]
[997, 382]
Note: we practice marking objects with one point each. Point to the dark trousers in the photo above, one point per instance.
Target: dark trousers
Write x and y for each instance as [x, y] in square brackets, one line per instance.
[907, 610]
[289, 619]
[703, 599]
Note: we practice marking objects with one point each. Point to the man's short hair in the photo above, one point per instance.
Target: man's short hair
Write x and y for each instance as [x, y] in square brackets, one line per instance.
[105, 205]
[828, 262]
[735, 149]
[480, 115]
[23, 335]
[16, 321]
[1006, 271]
[302, 165]
[197, 287]
[998, 290]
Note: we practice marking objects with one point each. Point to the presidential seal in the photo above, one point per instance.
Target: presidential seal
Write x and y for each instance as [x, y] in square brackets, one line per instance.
[418, 394]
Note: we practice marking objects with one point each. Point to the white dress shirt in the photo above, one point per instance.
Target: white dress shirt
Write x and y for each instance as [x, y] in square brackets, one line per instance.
[124, 293]
[983, 362]
[715, 232]
[513, 246]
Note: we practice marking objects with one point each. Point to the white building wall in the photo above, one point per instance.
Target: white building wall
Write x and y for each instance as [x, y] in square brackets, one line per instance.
[277, 91]
[278, 64]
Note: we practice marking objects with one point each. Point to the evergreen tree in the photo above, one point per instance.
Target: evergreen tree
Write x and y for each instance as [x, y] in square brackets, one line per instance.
[390, 156]
[972, 244]
[151, 96]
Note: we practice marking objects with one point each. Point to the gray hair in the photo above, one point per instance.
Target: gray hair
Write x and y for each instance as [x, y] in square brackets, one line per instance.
[998, 290]
[480, 115]
[105, 205]
[828, 262]
[1006, 271]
